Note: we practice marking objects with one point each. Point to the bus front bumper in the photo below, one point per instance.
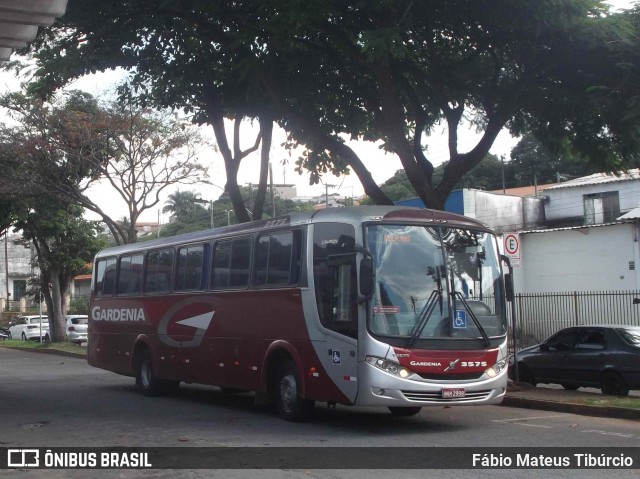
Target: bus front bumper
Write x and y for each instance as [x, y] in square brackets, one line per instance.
[378, 388]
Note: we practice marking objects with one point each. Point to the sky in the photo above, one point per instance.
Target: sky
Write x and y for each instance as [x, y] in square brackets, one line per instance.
[381, 165]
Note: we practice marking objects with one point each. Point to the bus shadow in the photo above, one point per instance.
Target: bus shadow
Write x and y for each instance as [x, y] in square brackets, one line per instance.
[353, 419]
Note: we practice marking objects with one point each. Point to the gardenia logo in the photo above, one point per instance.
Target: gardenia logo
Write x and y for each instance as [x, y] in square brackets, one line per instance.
[424, 363]
[124, 314]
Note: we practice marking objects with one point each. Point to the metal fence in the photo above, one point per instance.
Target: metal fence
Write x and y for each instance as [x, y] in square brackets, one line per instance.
[77, 305]
[539, 315]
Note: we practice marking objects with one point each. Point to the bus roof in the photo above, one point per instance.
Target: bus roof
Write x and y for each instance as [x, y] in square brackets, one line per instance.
[394, 214]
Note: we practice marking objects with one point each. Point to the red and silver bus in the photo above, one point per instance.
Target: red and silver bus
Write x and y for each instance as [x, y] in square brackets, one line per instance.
[371, 306]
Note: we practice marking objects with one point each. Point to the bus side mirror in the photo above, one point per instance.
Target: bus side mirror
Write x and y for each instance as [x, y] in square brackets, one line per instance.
[366, 276]
[508, 287]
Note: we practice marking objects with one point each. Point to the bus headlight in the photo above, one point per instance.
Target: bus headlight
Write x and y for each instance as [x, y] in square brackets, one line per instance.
[494, 370]
[388, 366]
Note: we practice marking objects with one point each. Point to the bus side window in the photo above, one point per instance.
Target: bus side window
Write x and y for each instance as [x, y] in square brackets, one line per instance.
[158, 271]
[106, 277]
[230, 266]
[130, 275]
[278, 259]
[190, 268]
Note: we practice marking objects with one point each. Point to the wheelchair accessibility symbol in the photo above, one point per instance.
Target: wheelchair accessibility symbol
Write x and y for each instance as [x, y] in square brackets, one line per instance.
[336, 357]
[460, 319]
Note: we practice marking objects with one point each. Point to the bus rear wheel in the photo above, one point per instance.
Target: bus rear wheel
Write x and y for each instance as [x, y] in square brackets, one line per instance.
[291, 406]
[404, 411]
[146, 380]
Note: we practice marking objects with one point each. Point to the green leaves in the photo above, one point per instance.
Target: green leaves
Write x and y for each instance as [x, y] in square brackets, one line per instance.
[381, 70]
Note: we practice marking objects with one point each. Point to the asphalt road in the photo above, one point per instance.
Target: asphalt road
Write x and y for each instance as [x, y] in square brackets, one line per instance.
[54, 401]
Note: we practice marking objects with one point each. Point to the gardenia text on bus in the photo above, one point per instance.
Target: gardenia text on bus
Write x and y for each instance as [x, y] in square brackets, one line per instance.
[124, 314]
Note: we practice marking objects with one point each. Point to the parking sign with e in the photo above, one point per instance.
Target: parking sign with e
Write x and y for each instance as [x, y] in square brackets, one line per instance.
[512, 247]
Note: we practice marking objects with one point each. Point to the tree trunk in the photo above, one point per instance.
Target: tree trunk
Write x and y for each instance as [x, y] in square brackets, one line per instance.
[330, 143]
[56, 318]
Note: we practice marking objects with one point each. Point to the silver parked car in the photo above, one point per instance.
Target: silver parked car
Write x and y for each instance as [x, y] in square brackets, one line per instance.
[29, 327]
[76, 328]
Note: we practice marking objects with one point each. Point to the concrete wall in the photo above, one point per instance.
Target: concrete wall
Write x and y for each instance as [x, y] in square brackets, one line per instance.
[597, 258]
[500, 212]
[503, 212]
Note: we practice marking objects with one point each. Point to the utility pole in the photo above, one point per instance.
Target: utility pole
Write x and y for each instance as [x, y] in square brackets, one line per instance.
[273, 202]
[326, 194]
[6, 262]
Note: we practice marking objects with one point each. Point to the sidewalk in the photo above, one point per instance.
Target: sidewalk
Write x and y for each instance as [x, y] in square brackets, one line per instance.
[561, 400]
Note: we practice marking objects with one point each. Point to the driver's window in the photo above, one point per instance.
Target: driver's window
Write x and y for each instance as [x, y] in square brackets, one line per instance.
[562, 341]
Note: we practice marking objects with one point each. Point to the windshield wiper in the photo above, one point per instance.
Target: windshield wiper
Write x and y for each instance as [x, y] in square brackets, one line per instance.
[425, 314]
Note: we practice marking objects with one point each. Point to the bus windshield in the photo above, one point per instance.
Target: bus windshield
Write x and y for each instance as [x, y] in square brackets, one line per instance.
[435, 283]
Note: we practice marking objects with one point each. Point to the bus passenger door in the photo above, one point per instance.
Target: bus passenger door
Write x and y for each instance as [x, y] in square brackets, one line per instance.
[336, 300]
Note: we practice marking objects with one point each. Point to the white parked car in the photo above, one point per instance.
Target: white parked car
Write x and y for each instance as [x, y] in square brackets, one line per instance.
[76, 328]
[29, 327]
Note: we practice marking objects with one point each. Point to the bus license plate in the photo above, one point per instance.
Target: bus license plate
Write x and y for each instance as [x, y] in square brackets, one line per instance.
[450, 393]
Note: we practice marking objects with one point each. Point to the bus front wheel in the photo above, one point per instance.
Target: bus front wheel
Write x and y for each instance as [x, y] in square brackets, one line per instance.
[291, 406]
[146, 380]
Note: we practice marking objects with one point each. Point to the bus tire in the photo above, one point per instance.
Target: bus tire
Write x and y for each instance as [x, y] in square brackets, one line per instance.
[404, 411]
[147, 382]
[291, 406]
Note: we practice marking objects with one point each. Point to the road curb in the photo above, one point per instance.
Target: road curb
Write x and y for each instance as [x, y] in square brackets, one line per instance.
[55, 352]
[581, 409]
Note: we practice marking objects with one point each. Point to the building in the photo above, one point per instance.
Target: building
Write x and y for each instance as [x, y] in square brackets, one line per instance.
[499, 211]
[16, 267]
[19, 22]
[147, 228]
[590, 242]
[594, 199]
[579, 235]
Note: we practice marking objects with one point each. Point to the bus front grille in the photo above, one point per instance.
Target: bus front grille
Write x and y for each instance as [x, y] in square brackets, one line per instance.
[436, 396]
[452, 377]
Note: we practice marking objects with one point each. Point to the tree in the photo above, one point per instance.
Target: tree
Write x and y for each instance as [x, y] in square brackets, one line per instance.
[380, 70]
[70, 145]
[65, 244]
[488, 175]
[196, 218]
[411, 66]
[532, 163]
[181, 204]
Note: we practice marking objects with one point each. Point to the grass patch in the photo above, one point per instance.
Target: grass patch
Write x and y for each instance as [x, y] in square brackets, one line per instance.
[626, 402]
[66, 346]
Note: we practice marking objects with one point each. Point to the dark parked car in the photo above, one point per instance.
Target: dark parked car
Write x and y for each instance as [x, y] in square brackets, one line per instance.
[607, 357]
